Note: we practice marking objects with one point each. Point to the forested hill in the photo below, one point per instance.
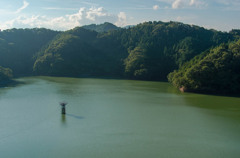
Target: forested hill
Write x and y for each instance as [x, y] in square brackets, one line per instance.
[81, 52]
[5, 75]
[105, 27]
[148, 51]
[214, 71]
[18, 47]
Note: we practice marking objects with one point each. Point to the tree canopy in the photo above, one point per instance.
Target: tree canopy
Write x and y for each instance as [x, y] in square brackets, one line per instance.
[5, 75]
[147, 51]
[215, 71]
[18, 47]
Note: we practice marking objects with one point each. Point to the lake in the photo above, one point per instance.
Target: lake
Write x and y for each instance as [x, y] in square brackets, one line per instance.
[109, 118]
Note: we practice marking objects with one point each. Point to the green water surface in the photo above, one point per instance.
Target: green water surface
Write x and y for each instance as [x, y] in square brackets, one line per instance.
[115, 119]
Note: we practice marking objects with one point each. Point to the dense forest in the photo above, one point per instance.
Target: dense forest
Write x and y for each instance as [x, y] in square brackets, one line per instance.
[147, 51]
[5, 75]
[18, 47]
[216, 70]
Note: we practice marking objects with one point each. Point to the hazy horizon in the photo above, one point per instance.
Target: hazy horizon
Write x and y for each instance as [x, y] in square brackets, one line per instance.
[64, 15]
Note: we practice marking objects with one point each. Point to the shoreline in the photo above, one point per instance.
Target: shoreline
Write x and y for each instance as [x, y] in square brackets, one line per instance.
[185, 90]
[9, 83]
[13, 82]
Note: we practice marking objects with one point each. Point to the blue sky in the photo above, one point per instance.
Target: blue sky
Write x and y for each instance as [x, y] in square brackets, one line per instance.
[221, 15]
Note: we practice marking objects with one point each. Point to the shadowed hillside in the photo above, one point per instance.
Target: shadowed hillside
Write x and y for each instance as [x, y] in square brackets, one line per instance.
[147, 51]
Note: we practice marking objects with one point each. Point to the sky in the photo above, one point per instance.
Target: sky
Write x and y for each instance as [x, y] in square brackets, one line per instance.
[222, 15]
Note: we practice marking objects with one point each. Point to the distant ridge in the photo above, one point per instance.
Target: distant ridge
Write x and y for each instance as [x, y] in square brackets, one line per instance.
[105, 27]
[190, 57]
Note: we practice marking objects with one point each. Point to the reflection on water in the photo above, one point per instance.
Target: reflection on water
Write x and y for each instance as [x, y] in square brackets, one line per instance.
[75, 116]
[124, 119]
[63, 119]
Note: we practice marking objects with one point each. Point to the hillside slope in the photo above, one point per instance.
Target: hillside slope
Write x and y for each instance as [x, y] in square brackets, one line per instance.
[105, 27]
[148, 51]
[215, 71]
[5, 75]
[18, 47]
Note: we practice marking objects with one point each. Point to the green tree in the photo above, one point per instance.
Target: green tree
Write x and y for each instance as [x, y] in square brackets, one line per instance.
[5, 75]
[216, 71]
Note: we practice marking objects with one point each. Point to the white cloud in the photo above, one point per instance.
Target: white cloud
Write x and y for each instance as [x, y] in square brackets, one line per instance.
[122, 19]
[178, 4]
[25, 5]
[192, 2]
[93, 13]
[198, 3]
[82, 17]
[155, 7]
[188, 3]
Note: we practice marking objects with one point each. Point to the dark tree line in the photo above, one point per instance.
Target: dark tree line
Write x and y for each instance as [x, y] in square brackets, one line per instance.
[215, 71]
[5, 75]
[147, 51]
[18, 46]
